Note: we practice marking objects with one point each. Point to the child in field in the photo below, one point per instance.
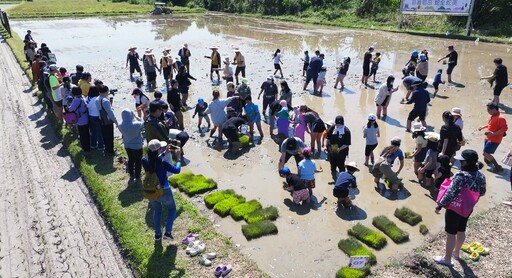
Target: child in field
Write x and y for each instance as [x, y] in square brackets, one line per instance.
[371, 133]
[428, 171]
[200, 108]
[320, 82]
[437, 81]
[307, 170]
[299, 124]
[306, 63]
[283, 120]
[375, 66]
[342, 72]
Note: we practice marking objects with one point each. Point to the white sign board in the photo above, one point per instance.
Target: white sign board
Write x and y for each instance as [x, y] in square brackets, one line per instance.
[358, 262]
[436, 7]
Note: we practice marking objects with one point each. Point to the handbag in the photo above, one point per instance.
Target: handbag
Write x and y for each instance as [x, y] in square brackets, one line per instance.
[464, 203]
[507, 160]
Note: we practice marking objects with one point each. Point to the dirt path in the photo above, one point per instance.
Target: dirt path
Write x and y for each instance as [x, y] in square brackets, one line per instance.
[49, 226]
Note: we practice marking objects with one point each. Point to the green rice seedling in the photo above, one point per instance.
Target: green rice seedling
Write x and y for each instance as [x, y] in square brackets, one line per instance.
[348, 272]
[223, 207]
[197, 184]
[259, 229]
[244, 141]
[408, 216]
[368, 236]
[268, 213]
[423, 229]
[213, 198]
[352, 247]
[177, 179]
[390, 229]
[240, 211]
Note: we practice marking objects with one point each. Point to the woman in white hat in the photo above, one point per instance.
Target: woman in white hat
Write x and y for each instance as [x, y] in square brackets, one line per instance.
[371, 133]
[418, 134]
[215, 63]
[153, 164]
[150, 67]
[457, 117]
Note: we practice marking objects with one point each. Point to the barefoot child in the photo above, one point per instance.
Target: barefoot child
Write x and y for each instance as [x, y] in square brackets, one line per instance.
[200, 108]
[429, 167]
[307, 170]
[306, 63]
[371, 133]
[375, 66]
[320, 82]
[295, 186]
[342, 72]
[345, 180]
[437, 81]
[253, 117]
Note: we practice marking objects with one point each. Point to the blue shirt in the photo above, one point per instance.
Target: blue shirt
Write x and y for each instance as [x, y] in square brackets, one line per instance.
[344, 180]
[315, 65]
[161, 170]
[420, 98]
[437, 78]
[398, 154]
[307, 168]
[253, 113]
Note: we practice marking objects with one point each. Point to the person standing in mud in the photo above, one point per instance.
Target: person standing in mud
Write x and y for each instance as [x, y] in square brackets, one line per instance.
[496, 129]
[306, 63]
[216, 109]
[167, 66]
[239, 61]
[383, 97]
[269, 90]
[277, 62]
[314, 68]
[366, 65]
[342, 72]
[450, 136]
[150, 67]
[133, 58]
[184, 54]
[338, 141]
[215, 63]
[421, 98]
[500, 77]
[422, 67]
[453, 57]
[315, 125]
[174, 100]
[183, 78]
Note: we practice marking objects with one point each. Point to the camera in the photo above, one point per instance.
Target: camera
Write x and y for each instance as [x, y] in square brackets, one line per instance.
[174, 144]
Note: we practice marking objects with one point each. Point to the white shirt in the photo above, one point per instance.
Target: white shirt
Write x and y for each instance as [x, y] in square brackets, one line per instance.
[91, 107]
[277, 58]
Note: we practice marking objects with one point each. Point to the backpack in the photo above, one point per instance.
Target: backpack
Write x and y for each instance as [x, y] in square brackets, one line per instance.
[105, 120]
[151, 188]
[71, 117]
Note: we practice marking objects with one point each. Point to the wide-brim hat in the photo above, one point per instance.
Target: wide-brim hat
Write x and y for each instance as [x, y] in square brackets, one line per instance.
[214, 47]
[432, 136]
[165, 54]
[185, 45]
[148, 51]
[352, 164]
[456, 111]
[237, 50]
[418, 127]
[132, 48]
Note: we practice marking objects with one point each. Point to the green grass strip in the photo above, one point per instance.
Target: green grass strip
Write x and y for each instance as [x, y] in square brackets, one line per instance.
[408, 216]
[192, 184]
[348, 272]
[368, 236]
[352, 247]
[423, 229]
[213, 198]
[223, 207]
[259, 229]
[268, 213]
[239, 212]
[389, 228]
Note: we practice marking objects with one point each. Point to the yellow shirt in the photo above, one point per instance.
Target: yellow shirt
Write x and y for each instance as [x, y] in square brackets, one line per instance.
[84, 86]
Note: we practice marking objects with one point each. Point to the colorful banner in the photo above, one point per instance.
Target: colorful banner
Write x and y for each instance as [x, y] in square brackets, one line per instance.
[451, 7]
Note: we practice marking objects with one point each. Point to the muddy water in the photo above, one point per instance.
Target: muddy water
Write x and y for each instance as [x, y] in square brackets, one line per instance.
[306, 245]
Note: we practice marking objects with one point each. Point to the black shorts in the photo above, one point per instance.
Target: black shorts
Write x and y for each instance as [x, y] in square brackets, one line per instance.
[277, 66]
[450, 68]
[454, 223]
[340, 193]
[167, 73]
[366, 70]
[318, 126]
[429, 174]
[58, 103]
[369, 148]
[415, 114]
[498, 89]
[240, 70]
[310, 76]
[385, 102]
[436, 85]
[182, 137]
[134, 68]
[231, 133]
[151, 76]
[420, 76]
[420, 157]
[215, 68]
[305, 67]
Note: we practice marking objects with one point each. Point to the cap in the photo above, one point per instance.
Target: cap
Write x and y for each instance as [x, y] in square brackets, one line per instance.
[415, 53]
[245, 80]
[339, 120]
[200, 99]
[283, 103]
[155, 144]
[53, 68]
[353, 165]
[284, 171]
[468, 155]
[306, 150]
[270, 77]
[456, 111]
[372, 117]
[396, 141]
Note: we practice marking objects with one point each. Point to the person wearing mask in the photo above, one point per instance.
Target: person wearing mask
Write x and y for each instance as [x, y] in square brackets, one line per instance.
[108, 119]
[154, 163]
[496, 128]
[469, 182]
[338, 140]
[131, 129]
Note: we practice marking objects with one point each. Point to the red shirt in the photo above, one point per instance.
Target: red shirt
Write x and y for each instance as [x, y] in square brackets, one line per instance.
[496, 123]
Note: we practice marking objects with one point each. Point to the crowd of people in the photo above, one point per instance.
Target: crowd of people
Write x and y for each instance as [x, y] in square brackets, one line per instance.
[161, 124]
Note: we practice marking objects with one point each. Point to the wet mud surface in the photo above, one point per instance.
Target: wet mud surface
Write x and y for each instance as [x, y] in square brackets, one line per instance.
[306, 245]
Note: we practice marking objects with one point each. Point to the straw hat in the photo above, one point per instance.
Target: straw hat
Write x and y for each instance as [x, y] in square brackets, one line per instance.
[353, 165]
[132, 48]
[165, 54]
[214, 47]
[185, 45]
[236, 50]
[432, 136]
[418, 127]
[148, 51]
[456, 111]
[226, 60]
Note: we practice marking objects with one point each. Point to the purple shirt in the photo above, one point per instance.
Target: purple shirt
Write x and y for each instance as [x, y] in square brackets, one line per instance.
[80, 107]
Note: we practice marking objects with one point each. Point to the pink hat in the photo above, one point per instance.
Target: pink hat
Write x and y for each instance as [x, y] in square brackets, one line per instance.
[306, 150]
[283, 103]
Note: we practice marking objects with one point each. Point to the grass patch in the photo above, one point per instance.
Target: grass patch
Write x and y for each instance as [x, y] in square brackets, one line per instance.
[268, 213]
[423, 229]
[368, 236]
[408, 216]
[213, 198]
[390, 229]
[352, 247]
[192, 184]
[259, 229]
[347, 272]
[223, 207]
[57, 8]
[239, 212]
